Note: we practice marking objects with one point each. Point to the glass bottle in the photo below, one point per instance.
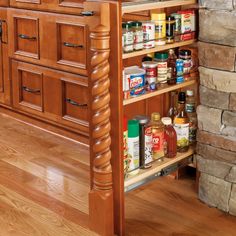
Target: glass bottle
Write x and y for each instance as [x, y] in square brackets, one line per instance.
[181, 125]
[157, 136]
[190, 101]
[170, 138]
[171, 63]
[172, 109]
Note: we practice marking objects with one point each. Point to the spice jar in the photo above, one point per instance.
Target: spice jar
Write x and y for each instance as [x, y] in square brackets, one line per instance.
[170, 24]
[185, 55]
[148, 34]
[151, 74]
[177, 26]
[160, 28]
[127, 37]
[138, 35]
[161, 59]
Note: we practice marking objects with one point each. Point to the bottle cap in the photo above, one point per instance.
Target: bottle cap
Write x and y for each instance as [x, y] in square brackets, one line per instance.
[161, 55]
[136, 24]
[126, 25]
[182, 97]
[133, 128]
[156, 116]
[189, 93]
[166, 120]
[142, 119]
[185, 52]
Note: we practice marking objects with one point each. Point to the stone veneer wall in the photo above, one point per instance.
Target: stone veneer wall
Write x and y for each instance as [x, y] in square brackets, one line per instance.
[216, 148]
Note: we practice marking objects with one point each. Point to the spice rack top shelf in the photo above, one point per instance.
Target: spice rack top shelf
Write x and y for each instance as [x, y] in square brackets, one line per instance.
[145, 175]
[158, 48]
[164, 89]
[129, 7]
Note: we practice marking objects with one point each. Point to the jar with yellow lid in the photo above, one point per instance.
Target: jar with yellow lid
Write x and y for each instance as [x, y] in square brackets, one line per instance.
[160, 27]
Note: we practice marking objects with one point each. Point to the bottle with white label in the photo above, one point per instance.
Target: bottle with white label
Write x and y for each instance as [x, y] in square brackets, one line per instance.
[181, 125]
[133, 147]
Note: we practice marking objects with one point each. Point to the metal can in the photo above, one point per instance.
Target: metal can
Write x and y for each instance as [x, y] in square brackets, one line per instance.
[151, 74]
[160, 28]
[148, 34]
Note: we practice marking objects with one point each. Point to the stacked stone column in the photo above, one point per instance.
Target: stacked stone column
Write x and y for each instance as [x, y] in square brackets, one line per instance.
[216, 147]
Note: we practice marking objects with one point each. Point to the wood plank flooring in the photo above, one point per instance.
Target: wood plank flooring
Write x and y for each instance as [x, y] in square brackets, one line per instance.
[168, 207]
[44, 182]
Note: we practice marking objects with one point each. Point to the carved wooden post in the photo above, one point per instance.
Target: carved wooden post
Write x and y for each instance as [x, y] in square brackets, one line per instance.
[101, 195]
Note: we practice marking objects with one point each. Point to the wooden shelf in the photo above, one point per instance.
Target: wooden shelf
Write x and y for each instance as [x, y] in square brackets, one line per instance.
[129, 7]
[158, 48]
[163, 89]
[155, 171]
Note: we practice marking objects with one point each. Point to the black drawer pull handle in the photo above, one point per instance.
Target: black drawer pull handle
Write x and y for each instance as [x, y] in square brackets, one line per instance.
[71, 45]
[29, 90]
[86, 13]
[76, 103]
[23, 36]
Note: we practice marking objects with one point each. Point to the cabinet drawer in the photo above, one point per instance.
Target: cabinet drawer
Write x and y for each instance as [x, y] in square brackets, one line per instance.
[67, 6]
[58, 96]
[47, 39]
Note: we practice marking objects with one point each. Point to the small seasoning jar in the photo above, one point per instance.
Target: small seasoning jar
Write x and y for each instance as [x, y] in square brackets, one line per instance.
[170, 24]
[185, 55]
[160, 28]
[127, 37]
[161, 58]
[148, 28]
[179, 67]
[177, 26]
[151, 74]
[138, 35]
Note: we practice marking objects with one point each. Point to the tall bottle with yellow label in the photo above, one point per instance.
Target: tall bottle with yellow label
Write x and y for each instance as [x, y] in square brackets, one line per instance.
[181, 125]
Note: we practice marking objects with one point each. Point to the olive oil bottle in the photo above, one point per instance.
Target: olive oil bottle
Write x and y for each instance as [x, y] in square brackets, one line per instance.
[181, 125]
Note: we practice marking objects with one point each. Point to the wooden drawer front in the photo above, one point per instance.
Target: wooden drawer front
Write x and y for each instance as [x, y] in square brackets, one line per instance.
[71, 45]
[26, 36]
[75, 101]
[47, 39]
[27, 88]
[67, 6]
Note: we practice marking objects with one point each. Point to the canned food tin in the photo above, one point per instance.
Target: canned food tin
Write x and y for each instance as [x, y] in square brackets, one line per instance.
[148, 34]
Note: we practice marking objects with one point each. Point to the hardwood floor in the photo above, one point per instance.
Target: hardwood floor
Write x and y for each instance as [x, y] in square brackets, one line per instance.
[168, 207]
[44, 182]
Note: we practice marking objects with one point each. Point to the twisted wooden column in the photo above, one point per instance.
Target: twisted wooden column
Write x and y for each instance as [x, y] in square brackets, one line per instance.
[101, 195]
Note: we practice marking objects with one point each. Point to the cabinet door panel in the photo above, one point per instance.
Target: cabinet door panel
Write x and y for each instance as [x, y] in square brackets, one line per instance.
[4, 3]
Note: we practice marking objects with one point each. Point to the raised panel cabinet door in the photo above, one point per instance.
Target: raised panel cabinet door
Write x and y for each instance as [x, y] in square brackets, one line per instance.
[63, 6]
[27, 87]
[4, 3]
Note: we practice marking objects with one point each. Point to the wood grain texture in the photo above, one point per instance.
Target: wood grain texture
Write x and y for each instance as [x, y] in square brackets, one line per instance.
[169, 207]
[44, 182]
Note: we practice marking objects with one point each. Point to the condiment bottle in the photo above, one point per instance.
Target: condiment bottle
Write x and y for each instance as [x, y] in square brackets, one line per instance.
[171, 63]
[145, 141]
[160, 27]
[127, 37]
[185, 55]
[138, 35]
[190, 101]
[170, 137]
[133, 146]
[161, 59]
[170, 25]
[181, 125]
[157, 136]
[172, 112]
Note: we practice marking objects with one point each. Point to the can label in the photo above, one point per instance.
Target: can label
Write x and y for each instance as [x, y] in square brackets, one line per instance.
[162, 71]
[160, 30]
[136, 84]
[148, 145]
[151, 72]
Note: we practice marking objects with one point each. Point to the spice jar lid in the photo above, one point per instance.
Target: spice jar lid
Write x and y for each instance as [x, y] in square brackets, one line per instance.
[161, 55]
[142, 119]
[155, 116]
[181, 97]
[158, 16]
[170, 18]
[133, 128]
[185, 52]
[126, 25]
[149, 64]
[166, 120]
[136, 24]
[189, 93]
